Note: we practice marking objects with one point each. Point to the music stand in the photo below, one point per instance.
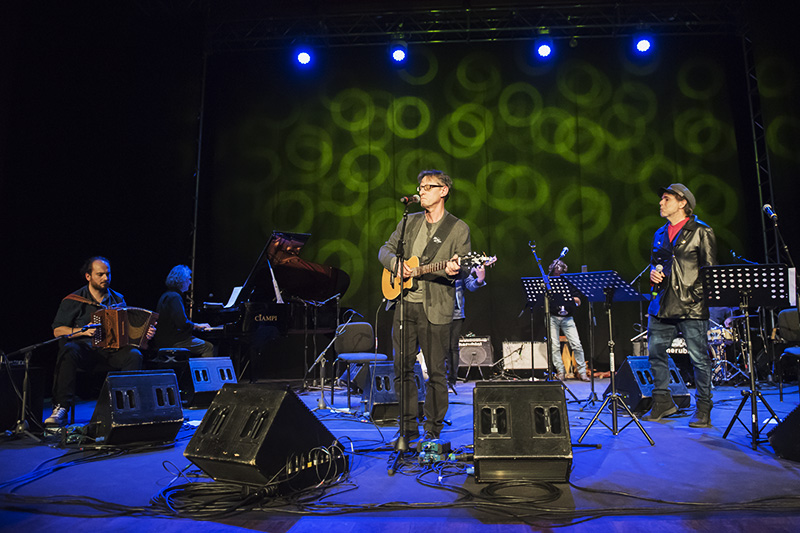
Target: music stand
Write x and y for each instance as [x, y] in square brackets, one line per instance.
[746, 285]
[537, 296]
[607, 286]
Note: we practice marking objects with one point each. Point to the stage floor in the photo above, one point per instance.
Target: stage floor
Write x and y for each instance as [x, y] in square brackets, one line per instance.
[691, 479]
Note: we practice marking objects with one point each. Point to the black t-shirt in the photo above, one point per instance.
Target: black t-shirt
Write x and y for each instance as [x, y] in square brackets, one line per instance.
[74, 314]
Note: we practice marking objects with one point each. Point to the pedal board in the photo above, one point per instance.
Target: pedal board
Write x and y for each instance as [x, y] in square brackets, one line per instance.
[433, 451]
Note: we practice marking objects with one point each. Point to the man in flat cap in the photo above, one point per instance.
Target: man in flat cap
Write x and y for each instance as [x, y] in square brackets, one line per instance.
[680, 249]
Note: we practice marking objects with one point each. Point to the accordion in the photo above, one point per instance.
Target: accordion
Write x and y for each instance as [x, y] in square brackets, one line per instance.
[123, 326]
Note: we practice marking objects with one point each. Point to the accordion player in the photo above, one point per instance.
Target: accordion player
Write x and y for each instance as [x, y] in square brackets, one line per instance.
[122, 326]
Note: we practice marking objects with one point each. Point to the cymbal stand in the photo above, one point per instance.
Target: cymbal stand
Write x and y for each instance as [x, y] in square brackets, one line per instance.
[614, 397]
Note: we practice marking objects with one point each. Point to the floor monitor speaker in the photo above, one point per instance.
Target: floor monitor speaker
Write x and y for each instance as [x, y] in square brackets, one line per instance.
[263, 434]
[785, 437]
[521, 432]
[137, 407]
[380, 397]
[634, 381]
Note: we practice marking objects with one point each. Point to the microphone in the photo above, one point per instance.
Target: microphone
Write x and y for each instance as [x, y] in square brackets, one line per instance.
[355, 312]
[654, 288]
[413, 199]
[770, 212]
[563, 252]
[90, 326]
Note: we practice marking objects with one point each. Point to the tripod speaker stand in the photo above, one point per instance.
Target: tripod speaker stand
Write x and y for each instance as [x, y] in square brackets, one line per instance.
[746, 285]
[608, 287]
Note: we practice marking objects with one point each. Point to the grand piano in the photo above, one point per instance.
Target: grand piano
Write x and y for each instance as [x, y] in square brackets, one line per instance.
[283, 295]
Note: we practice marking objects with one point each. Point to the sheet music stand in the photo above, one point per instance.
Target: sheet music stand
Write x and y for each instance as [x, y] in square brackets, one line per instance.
[536, 294]
[746, 285]
[607, 286]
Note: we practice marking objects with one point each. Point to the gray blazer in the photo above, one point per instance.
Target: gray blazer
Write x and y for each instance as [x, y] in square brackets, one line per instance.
[437, 288]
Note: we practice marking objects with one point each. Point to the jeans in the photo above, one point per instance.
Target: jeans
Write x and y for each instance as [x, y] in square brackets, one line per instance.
[660, 333]
[566, 324]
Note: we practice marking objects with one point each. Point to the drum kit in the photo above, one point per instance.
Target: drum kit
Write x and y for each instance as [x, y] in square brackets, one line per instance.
[728, 350]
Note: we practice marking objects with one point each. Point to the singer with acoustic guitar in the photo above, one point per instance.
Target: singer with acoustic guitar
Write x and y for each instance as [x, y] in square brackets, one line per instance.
[433, 237]
[680, 249]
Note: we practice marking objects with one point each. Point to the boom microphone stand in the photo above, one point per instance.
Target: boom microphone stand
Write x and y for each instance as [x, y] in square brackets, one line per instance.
[534, 288]
[22, 428]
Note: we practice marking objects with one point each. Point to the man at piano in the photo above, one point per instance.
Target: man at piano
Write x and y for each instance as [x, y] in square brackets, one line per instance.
[434, 236]
[77, 351]
[174, 327]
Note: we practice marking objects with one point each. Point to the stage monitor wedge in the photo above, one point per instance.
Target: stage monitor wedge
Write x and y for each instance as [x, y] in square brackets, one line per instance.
[137, 407]
[261, 434]
[521, 432]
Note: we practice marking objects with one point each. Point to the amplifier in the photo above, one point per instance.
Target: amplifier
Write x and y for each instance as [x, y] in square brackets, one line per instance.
[475, 351]
[517, 355]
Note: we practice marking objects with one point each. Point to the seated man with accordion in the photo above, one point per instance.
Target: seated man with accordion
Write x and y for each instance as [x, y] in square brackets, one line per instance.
[97, 328]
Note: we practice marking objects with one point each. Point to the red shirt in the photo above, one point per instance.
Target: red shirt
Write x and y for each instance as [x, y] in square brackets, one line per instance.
[674, 229]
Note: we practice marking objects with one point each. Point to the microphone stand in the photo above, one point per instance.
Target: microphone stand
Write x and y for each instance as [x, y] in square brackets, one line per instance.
[22, 428]
[401, 446]
[548, 336]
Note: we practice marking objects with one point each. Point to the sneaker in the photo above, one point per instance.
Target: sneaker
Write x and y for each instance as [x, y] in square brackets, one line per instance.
[560, 376]
[582, 377]
[58, 418]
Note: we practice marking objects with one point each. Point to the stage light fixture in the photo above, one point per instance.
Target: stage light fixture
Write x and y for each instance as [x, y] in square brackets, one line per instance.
[304, 56]
[642, 43]
[398, 51]
[543, 45]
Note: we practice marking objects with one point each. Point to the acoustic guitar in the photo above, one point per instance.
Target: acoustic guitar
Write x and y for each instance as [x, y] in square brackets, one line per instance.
[391, 285]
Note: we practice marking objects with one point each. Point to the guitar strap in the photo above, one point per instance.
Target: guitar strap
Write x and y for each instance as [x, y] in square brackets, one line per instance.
[442, 232]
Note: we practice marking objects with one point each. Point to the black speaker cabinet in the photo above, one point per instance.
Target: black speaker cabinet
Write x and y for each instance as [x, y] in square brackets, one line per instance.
[137, 407]
[634, 380]
[785, 437]
[381, 401]
[521, 432]
[260, 434]
[475, 352]
[11, 405]
[199, 378]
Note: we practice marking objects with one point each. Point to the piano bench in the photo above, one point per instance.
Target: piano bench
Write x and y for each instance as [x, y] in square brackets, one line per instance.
[172, 355]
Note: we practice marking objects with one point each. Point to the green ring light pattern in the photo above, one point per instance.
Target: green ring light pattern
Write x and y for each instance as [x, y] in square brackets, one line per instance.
[571, 154]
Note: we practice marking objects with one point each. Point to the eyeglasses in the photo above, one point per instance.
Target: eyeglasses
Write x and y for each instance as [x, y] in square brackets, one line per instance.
[427, 187]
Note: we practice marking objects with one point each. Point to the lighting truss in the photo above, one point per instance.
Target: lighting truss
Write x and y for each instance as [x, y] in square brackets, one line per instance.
[477, 24]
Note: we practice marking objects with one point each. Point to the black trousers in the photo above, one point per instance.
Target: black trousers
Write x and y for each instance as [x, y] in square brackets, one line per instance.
[434, 341]
[75, 355]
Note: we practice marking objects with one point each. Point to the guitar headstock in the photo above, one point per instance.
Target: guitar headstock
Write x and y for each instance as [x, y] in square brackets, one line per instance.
[474, 259]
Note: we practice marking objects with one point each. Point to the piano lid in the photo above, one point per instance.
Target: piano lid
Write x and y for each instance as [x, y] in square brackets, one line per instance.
[295, 276]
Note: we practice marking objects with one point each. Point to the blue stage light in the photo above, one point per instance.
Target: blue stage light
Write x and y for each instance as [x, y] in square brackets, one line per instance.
[544, 46]
[398, 51]
[304, 56]
[642, 44]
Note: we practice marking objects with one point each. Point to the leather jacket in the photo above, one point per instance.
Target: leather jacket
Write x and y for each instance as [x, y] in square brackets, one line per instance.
[681, 292]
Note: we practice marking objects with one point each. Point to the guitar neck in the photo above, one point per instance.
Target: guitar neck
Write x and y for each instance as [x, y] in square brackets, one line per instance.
[427, 269]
